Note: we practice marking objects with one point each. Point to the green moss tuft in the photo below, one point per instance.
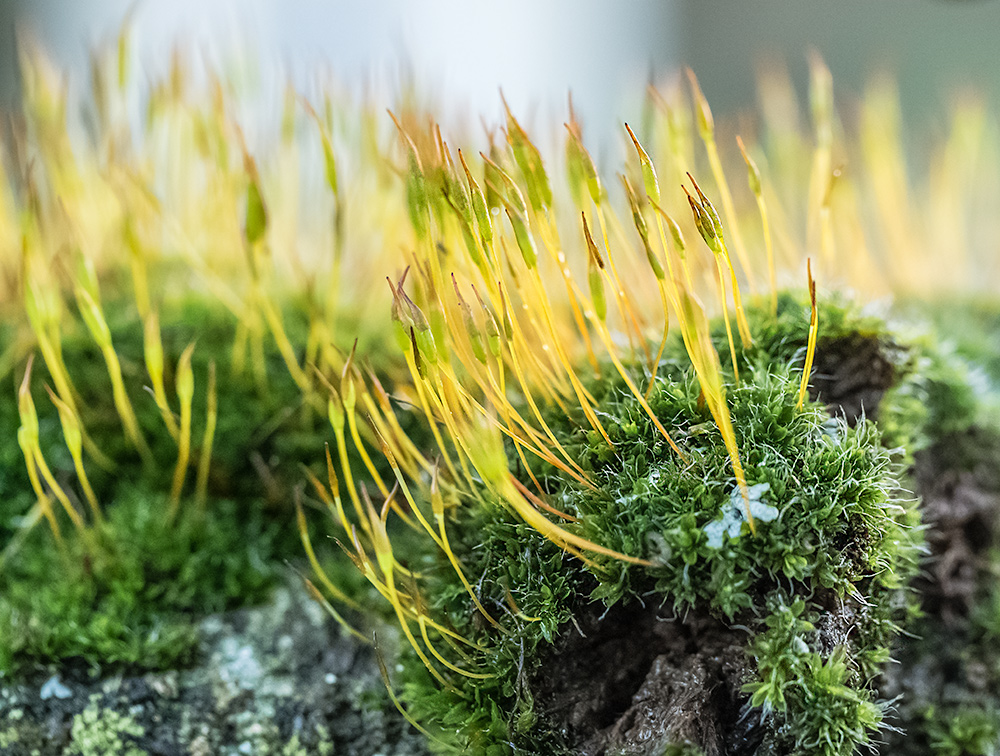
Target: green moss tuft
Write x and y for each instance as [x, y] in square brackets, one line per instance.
[818, 591]
[127, 592]
[132, 597]
[968, 732]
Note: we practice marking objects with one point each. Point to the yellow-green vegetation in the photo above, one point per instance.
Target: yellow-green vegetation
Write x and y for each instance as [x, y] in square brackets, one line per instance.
[634, 521]
[627, 472]
[167, 329]
[835, 543]
[97, 732]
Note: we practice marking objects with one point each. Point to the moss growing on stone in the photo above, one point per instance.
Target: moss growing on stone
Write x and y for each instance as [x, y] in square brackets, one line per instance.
[128, 591]
[728, 641]
[133, 600]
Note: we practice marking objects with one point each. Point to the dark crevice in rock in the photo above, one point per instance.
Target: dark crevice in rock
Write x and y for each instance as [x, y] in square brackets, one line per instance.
[851, 375]
[629, 678]
[958, 480]
[946, 663]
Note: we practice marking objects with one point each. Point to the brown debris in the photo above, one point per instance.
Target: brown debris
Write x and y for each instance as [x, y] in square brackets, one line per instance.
[852, 374]
[634, 681]
[960, 497]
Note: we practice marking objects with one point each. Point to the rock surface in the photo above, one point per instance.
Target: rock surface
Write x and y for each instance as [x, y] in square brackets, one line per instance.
[278, 679]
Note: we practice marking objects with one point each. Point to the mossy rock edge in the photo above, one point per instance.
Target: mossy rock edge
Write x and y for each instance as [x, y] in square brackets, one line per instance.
[775, 649]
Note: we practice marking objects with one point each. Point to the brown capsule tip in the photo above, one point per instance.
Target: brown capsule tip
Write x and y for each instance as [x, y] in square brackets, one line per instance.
[26, 381]
[743, 149]
[591, 245]
[697, 188]
[635, 141]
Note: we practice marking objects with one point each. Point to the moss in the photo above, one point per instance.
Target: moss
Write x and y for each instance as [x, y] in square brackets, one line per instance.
[127, 592]
[97, 732]
[9, 737]
[819, 589]
[968, 732]
[684, 749]
[970, 325]
[132, 597]
[948, 667]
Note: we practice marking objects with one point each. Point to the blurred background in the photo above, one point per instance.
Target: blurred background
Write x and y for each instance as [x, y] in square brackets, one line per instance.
[462, 51]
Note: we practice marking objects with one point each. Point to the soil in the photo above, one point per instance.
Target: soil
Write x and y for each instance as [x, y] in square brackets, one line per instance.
[946, 662]
[851, 375]
[628, 679]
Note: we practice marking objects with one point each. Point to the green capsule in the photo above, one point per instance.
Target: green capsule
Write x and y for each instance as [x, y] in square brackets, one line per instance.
[255, 223]
[416, 198]
[329, 162]
[705, 225]
[472, 246]
[654, 261]
[476, 340]
[637, 219]
[675, 233]
[479, 207]
[475, 336]
[402, 335]
[421, 327]
[529, 160]
[455, 194]
[514, 197]
[72, 433]
[439, 330]
[753, 172]
[581, 169]
[335, 413]
[597, 292]
[348, 392]
[648, 172]
[93, 317]
[595, 265]
[492, 329]
[642, 228]
[492, 179]
[525, 241]
[185, 377]
[26, 407]
[492, 334]
[401, 319]
[703, 113]
[711, 213]
[86, 276]
[508, 324]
